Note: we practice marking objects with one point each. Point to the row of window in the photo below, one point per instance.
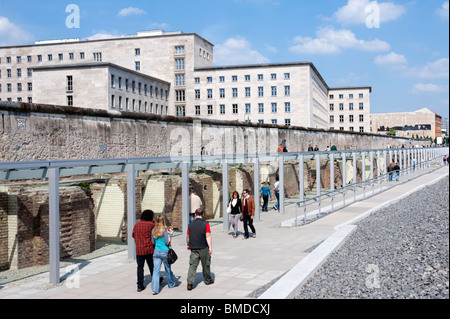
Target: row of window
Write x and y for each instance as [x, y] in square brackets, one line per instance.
[134, 105]
[351, 129]
[350, 106]
[19, 73]
[350, 96]
[19, 99]
[148, 89]
[247, 78]
[247, 92]
[350, 118]
[248, 108]
[20, 87]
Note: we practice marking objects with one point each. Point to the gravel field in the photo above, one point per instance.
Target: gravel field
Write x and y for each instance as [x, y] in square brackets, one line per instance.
[401, 252]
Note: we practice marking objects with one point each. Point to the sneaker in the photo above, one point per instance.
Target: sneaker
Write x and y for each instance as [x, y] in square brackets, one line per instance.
[140, 289]
[210, 282]
[189, 287]
[254, 235]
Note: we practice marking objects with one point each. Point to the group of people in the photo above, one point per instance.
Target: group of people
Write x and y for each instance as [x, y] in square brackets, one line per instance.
[393, 168]
[153, 241]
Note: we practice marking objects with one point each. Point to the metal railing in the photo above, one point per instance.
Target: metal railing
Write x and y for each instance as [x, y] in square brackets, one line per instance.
[358, 191]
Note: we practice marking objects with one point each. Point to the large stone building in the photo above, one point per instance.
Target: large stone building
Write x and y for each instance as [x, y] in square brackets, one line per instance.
[176, 76]
[421, 123]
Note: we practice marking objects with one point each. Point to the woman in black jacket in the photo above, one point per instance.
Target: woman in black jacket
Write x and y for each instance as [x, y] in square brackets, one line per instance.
[235, 204]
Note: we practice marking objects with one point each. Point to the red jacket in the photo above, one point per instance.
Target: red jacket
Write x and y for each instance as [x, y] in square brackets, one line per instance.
[142, 234]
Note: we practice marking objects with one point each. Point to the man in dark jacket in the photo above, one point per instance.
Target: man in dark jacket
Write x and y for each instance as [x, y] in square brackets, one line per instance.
[200, 244]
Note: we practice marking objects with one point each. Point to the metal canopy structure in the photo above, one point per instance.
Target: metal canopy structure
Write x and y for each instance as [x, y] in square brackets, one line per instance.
[54, 170]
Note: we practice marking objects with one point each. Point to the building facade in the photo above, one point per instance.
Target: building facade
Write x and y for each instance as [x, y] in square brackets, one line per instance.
[181, 65]
[349, 109]
[421, 123]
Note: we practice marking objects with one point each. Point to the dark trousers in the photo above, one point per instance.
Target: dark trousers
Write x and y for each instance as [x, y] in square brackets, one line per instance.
[140, 268]
[248, 222]
[266, 202]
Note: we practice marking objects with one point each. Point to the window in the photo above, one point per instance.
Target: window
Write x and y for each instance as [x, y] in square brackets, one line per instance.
[180, 80]
[341, 96]
[341, 106]
[112, 81]
[8, 87]
[287, 122]
[261, 121]
[70, 100]
[30, 86]
[361, 95]
[138, 65]
[361, 129]
[361, 106]
[179, 50]
[69, 83]
[30, 100]
[274, 91]
[120, 103]
[180, 96]
[274, 107]
[260, 91]
[8, 73]
[113, 101]
[179, 64]
[19, 87]
[260, 77]
[273, 76]
[70, 56]
[137, 51]
[29, 59]
[210, 93]
[235, 92]
[120, 84]
[60, 57]
[331, 97]
[19, 73]
[197, 80]
[247, 92]
[287, 76]
[331, 118]
[29, 72]
[287, 90]
[247, 78]
[98, 56]
[133, 86]
[210, 110]
[39, 58]
[350, 119]
[222, 108]
[235, 109]
[350, 96]
[261, 107]
[248, 108]
[209, 79]
[197, 94]
[127, 84]
[331, 107]
[361, 118]
[221, 79]
[81, 55]
[8, 59]
[287, 107]
[274, 122]
[234, 78]
[341, 118]
[350, 107]
[197, 110]
[19, 59]
[222, 93]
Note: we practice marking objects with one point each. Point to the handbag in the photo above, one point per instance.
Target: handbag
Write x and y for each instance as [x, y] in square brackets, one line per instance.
[171, 255]
[229, 209]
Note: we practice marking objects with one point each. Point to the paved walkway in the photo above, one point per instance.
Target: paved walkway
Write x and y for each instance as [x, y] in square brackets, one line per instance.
[239, 266]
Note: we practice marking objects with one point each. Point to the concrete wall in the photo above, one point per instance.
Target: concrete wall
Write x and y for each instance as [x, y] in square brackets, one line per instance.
[34, 132]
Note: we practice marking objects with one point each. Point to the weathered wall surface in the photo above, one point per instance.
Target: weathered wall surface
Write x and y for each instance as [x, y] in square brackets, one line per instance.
[33, 132]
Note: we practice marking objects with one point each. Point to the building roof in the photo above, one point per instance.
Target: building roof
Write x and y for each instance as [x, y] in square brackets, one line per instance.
[96, 64]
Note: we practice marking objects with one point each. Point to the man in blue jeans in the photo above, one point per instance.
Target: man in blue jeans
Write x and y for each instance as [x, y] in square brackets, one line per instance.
[277, 194]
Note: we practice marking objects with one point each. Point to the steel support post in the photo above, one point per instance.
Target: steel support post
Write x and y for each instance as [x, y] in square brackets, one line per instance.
[301, 178]
[53, 184]
[131, 208]
[257, 187]
[318, 174]
[185, 199]
[281, 176]
[331, 172]
[225, 193]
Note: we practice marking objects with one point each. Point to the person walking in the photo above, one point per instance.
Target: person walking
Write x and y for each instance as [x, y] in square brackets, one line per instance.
[142, 234]
[248, 213]
[161, 238]
[397, 171]
[390, 170]
[196, 203]
[235, 204]
[265, 191]
[199, 242]
[277, 193]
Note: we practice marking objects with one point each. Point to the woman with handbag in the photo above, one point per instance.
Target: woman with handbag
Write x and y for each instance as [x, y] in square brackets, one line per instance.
[161, 238]
[234, 207]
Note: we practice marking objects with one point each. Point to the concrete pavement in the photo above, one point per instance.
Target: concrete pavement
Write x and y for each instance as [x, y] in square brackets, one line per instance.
[280, 256]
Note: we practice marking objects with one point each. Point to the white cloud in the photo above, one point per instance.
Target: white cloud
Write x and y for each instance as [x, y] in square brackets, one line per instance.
[390, 59]
[432, 70]
[354, 12]
[10, 34]
[331, 41]
[131, 11]
[429, 88]
[236, 51]
[100, 35]
[443, 12]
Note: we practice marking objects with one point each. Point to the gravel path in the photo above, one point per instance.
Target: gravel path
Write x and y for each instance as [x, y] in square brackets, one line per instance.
[401, 252]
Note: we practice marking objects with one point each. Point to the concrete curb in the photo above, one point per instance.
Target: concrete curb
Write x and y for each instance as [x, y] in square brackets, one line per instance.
[290, 284]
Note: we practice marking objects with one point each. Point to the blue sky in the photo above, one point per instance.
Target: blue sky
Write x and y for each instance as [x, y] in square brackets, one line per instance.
[400, 48]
